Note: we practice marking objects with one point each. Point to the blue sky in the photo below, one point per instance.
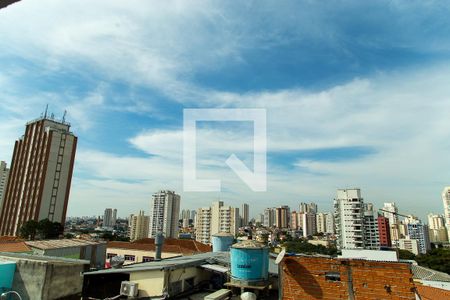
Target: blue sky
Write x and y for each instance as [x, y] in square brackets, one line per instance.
[356, 94]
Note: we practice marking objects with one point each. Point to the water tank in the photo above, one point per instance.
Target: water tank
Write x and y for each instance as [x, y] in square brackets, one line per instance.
[249, 263]
[7, 270]
[222, 241]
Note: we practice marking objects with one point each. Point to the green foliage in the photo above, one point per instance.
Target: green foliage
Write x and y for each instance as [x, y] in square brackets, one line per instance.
[436, 259]
[301, 246]
[44, 229]
[405, 254]
[108, 236]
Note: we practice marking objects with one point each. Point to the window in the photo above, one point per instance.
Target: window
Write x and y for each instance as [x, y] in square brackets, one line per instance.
[129, 257]
[333, 276]
[110, 255]
[147, 259]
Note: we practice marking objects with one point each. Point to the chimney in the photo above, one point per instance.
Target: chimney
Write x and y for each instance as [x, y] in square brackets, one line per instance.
[159, 241]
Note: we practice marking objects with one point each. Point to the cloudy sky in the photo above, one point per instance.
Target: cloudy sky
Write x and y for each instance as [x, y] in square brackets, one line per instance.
[356, 95]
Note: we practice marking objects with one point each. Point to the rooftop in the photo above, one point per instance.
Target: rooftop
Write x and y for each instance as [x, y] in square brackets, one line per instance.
[64, 243]
[423, 273]
[182, 246]
[14, 247]
[432, 293]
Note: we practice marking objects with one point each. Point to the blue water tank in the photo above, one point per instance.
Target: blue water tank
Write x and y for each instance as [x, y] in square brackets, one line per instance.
[222, 241]
[249, 262]
[7, 270]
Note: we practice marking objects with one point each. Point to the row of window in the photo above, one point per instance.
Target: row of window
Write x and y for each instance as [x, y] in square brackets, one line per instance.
[128, 257]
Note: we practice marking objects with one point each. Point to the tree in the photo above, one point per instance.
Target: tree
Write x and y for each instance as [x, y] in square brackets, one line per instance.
[44, 229]
[405, 254]
[29, 230]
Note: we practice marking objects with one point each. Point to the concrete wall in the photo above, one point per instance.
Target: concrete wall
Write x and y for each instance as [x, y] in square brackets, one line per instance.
[44, 279]
[152, 283]
[139, 254]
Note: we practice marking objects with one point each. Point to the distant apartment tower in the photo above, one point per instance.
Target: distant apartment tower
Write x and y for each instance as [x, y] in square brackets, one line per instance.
[203, 225]
[384, 231]
[139, 226]
[40, 176]
[165, 210]
[245, 214]
[418, 231]
[4, 174]
[349, 219]
[282, 215]
[437, 230]
[109, 217]
[308, 207]
[446, 201]
[371, 234]
[330, 226]
[269, 217]
[321, 222]
[308, 225]
[215, 219]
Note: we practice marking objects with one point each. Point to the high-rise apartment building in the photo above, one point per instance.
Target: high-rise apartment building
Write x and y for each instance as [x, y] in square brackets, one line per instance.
[418, 231]
[331, 229]
[215, 219]
[308, 220]
[321, 222]
[40, 176]
[185, 217]
[282, 215]
[269, 217]
[384, 231]
[4, 174]
[371, 235]
[109, 217]
[165, 210]
[308, 207]
[349, 218]
[446, 201]
[139, 226]
[203, 225]
[245, 214]
[437, 230]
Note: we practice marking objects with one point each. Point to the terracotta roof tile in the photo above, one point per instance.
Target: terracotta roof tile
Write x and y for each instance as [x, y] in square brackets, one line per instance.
[432, 293]
[185, 247]
[14, 247]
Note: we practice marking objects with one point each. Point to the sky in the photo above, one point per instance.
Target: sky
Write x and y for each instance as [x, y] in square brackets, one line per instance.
[356, 94]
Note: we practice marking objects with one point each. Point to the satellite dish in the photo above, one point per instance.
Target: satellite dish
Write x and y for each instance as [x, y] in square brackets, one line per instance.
[280, 256]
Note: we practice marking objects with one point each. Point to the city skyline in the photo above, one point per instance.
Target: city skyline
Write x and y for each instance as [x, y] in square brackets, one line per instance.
[343, 99]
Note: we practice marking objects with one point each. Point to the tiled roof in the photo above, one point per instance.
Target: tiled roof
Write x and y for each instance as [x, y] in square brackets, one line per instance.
[432, 293]
[185, 247]
[423, 273]
[14, 247]
[8, 238]
[64, 243]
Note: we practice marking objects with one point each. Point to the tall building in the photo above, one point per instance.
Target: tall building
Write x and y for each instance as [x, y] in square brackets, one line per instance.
[418, 231]
[308, 226]
[165, 210]
[308, 207]
[371, 235]
[321, 221]
[384, 231]
[245, 214]
[139, 226]
[390, 211]
[203, 225]
[193, 214]
[330, 226]
[4, 174]
[215, 219]
[349, 219]
[185, 217]
[282, 215]
[437, 230]
[446, 201]
[40, 176]
[269, 217]
[109, 217]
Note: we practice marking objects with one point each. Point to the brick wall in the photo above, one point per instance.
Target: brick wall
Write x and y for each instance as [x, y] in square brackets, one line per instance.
[304, 277]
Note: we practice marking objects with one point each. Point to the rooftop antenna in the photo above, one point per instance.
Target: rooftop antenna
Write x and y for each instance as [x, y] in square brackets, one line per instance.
[64, 116]
[45, 113]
